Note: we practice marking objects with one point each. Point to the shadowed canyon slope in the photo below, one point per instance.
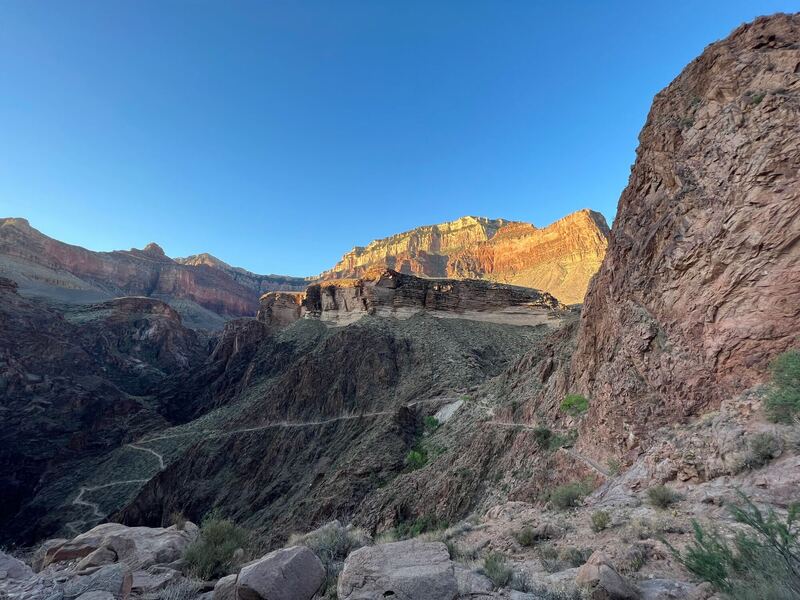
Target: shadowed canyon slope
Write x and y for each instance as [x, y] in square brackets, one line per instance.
[559, 259]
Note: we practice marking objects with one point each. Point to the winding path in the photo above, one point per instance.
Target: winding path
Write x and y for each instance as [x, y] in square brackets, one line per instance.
[95, 507]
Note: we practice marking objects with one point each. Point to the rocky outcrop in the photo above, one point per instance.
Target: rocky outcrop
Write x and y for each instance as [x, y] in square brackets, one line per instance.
[71, 387]
[700, 287]
[559, 259]
[409, 569]
[261, 284]
[288, 574]
[205, 294]
[389, 293]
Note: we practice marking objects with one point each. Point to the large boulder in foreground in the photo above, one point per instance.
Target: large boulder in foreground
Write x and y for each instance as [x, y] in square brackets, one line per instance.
[408, 570]
[139, 547]
[288, 574]
[602, 581]
[700, 287]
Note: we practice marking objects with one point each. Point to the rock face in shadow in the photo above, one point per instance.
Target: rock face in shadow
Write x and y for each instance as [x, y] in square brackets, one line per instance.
[700, 287]
[72, 385]
[389, 293]
[559, 259]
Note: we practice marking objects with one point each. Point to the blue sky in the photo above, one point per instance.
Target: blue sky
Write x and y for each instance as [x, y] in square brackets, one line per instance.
[277, 135]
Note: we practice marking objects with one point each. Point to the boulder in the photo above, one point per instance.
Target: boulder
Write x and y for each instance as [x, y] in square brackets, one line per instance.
[101, 556]
[600, 577]
[139, 547]
[405, 570]
[225, 588]
[39, 557]
[667, 589]
[115, 579]
[154, 579]
[96, 596]
[13, 568]
[471, 582]
[288, 574]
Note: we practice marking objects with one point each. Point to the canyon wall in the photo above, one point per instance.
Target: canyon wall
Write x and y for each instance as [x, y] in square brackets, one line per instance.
[559, 259]
[700, 287]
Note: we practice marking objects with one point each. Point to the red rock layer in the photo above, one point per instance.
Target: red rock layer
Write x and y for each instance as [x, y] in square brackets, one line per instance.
[700, 287]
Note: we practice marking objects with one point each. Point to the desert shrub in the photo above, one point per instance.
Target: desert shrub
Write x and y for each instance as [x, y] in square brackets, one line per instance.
[332, 543]
[600, 520]
[761, 561]
[574, 556]
[569, 495]
[614, 466]
[662, 496]
[420, 525]
[565, 440]
[211, 555]
[761, 448]
[783, 399]
[635, 557]
[416, 459]
[496, 568]
[542, 435]
[177, 519]
[574, 405]
[525, 536]
[431, 424]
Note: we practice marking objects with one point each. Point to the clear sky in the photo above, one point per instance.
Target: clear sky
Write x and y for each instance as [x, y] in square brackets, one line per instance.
[277, 135]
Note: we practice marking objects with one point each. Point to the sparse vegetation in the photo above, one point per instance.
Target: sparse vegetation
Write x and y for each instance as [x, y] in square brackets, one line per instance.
[212, 555]
[420, 525]
[332, 543]
[662, 496]
[541, 436]
[614, 466]
[761, 561]
[762, 448]
[600, 520]
[569, 495]
[574, 405]
[783, 399]
[526, 536]
[496, 568]
[575, 557]
[177, 519]
[431, 424]
[416, 459]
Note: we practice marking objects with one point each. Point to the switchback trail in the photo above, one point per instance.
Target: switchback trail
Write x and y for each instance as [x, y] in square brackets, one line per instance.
[95, 507]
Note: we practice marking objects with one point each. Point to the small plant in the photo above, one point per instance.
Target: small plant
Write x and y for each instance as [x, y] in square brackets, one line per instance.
[431, 424]
[574, 556]
[496, 568]
[526, 536]
[783, 399]
[569, 495]
[636, 557]
[178, 520]
[416, 459]
[212, 554]
[614, 466]
[574, 405]
[662, 496]
[762, 561]
[600, 520]
[762, 448]
[420, 525]
[542, 435]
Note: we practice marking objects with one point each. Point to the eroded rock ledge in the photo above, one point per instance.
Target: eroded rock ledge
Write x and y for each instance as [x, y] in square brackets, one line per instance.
[389, 293]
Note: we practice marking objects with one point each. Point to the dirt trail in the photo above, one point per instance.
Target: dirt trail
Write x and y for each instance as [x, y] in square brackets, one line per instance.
[95, 507]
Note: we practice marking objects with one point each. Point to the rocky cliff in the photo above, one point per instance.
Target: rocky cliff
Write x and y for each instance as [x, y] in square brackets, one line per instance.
[700, 287]
[260, 284]
[389, 293]
[559, 259]
[204, 294]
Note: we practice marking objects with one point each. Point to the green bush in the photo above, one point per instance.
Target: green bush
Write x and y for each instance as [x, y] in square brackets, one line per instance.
[211, 555]
[496, 569]
[614, 466]
[762, 561]
[600, 520]
[526, 536]
[662, 496]
[420, 525]
[574, 405]
[762, 448]
[575, 557]
[332, 543]
[783, 399]
[569, 495]
[542, 435]
[431, 424]
[416, 459]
